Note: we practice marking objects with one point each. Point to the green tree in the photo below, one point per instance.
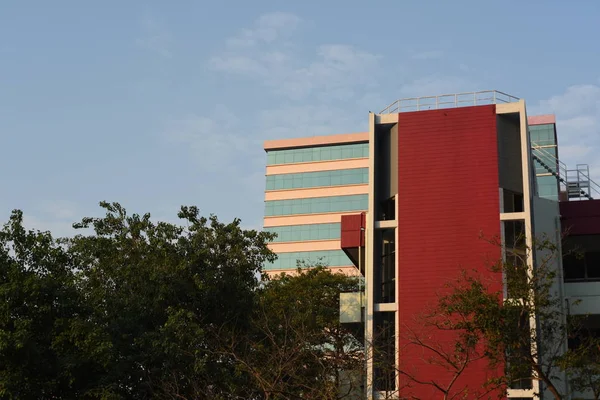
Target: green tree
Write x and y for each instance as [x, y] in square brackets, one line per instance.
[156, 293]
[582, 361]
[297, 347]
[500, 321]
[133, 309]
[39, 307]
[128, 309]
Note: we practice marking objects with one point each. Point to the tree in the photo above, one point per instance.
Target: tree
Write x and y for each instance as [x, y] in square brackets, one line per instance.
[126, 310]
[461, 348]
[157, 291]
[39, 307]
[499, 323]
[582, 361]
[133, 309]
[297, 347]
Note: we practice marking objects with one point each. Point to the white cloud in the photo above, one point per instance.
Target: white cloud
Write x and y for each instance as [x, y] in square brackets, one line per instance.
[263, 53]
[464, 68]
[267, 29]
[578, 124]
[576, 101]
[56, 216]
[263, 66]
[310, 120]
[437, 85]
[574, 151]
[214, 141]
[336, 71]
[325, 89]
[154, 37]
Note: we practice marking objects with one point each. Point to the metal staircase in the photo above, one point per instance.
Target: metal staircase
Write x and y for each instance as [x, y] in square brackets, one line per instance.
[575, 182]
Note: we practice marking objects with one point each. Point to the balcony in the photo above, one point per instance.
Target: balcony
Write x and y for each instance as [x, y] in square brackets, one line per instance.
[353, 239]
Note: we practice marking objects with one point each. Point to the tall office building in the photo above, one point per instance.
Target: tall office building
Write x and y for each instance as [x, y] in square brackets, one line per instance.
[405, 205]
[311, 183]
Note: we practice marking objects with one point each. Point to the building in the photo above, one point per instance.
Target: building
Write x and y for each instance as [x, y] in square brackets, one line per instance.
[310, 184]
[405, 205]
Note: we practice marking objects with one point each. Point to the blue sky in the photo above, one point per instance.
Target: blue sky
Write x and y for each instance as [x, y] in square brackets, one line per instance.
[156, 104]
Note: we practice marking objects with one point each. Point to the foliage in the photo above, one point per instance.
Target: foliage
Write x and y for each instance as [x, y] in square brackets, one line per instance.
[125, 311]
[450, 341]
[132, 309]
[156, 290]
[297, 347]
[39, 305]
[582, 361]
[521, 327]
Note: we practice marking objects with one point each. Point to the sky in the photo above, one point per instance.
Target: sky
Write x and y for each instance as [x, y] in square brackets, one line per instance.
[158, 104]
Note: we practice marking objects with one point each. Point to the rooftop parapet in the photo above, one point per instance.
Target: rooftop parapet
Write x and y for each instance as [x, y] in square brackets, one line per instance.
[455, 100]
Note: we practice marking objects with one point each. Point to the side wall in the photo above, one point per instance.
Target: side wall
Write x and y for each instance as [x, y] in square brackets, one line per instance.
[509, 150]
[546, 225]
[447, 195]
[580, 217]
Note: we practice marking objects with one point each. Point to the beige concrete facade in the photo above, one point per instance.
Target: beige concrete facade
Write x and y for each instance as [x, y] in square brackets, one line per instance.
[306, 245]
[306, 193]
[316, 141]
[307, 219]
[317, 166]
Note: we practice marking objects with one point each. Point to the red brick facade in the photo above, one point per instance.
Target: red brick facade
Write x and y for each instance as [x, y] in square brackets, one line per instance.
[447, 194]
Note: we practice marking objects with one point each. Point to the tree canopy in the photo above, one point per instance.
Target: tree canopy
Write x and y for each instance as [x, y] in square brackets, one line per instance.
[135, 309]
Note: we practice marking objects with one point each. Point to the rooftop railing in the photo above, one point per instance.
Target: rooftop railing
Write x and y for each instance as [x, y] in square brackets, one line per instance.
[449, 101]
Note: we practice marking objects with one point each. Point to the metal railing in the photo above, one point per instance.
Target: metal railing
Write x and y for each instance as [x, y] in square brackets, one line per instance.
[561, 167]
[455, 100]
[576, 182]
[581, 175]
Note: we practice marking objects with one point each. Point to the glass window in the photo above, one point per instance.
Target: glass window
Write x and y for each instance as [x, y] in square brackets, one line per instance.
[294, 233]
[592, 264]
[542, 135]
[547, 187]
[337, 152]
[316, 205]
[330, 258]
[582, 266]
[354, 176]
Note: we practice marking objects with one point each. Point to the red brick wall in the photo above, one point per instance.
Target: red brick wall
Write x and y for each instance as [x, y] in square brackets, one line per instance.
[448, 194]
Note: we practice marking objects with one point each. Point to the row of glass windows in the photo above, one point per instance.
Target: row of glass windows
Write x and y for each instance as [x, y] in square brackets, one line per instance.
[353, 176]
[542, 135]
[323, 153]
[582, 267]
[329, 258]
[297, 233]
[316, 205]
